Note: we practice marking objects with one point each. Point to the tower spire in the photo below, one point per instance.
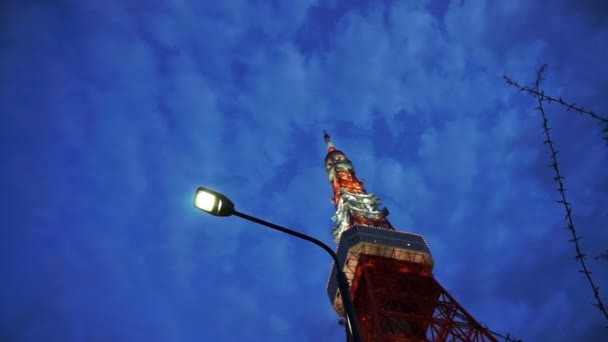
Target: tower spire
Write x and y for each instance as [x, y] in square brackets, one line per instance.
[330, 144]
[354, 206]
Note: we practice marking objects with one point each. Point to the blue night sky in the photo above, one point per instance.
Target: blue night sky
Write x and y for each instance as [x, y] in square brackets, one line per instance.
[113, 112]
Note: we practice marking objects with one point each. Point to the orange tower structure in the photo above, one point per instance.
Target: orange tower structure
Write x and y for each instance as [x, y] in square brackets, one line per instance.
[395, 294]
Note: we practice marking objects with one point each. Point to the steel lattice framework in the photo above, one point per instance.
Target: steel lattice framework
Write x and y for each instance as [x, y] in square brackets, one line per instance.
[396, 303]
[394, 291]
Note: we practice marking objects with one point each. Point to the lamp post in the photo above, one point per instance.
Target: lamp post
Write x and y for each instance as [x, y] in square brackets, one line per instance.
[217, 204]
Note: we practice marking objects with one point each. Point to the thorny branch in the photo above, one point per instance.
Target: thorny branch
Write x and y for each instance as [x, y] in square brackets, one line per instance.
[536, 92]
[559, 179]
[507, 338]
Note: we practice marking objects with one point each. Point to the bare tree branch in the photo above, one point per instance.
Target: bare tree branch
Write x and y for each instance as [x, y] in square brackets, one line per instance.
[536, 92]
[559, 179]
[506, 338]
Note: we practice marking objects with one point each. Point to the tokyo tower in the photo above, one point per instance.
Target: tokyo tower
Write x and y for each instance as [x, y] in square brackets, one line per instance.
[395, 294]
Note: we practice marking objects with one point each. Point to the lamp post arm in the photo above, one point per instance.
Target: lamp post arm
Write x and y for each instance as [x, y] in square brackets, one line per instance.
[349, 307]
[290, 232]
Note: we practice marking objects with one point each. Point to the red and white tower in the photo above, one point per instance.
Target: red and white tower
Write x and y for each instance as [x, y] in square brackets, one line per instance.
[390, 273]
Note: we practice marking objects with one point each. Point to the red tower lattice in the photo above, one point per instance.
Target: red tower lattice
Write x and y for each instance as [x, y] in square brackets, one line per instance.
[394, 291]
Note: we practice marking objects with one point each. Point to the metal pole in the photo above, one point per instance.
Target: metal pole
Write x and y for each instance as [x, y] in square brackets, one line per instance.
[352, 322]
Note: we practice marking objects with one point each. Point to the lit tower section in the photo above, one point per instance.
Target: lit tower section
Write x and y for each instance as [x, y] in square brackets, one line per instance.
[390, 273]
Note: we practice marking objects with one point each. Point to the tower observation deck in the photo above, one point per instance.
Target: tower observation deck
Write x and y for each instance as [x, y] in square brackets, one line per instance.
[390, 273]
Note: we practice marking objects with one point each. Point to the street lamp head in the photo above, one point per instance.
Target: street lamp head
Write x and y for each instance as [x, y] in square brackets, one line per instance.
[213, 202]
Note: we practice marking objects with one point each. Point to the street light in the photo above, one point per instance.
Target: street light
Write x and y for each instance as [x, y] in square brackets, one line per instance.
[217, 204]
[213, 202]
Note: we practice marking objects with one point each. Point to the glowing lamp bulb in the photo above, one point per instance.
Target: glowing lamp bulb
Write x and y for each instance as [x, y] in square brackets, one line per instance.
[204, 201]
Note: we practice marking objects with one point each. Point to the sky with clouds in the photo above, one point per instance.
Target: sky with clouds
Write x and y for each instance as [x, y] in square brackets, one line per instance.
[113, 112]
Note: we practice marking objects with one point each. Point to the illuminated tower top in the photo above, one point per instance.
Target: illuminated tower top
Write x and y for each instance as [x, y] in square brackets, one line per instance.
[393, 289]
[354, 206]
